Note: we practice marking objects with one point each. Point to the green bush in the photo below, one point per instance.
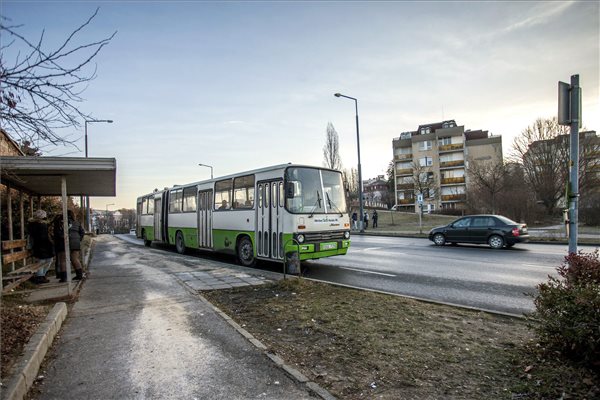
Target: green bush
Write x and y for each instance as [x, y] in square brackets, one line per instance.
[568, 310]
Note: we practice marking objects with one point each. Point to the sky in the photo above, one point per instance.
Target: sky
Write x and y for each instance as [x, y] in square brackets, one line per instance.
[244, 85]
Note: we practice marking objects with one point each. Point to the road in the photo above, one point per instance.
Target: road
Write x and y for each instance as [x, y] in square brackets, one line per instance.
[466, 275]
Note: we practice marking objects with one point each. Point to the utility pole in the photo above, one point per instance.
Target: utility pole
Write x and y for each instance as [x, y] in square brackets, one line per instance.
[569, 113]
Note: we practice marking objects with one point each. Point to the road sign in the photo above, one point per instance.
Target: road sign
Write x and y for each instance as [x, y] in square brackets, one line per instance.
[420, 198]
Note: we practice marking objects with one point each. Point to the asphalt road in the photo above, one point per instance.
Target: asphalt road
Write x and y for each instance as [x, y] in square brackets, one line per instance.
[466, 275]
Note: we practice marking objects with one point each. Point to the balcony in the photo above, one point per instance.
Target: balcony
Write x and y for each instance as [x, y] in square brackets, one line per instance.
[451, 181]
[404, 171]
[450, 164]
[402, 186]
[450, 147]
[453, 197]
[400, 157]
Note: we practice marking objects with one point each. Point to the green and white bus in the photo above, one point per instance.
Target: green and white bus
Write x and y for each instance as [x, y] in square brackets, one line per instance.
[291, 212]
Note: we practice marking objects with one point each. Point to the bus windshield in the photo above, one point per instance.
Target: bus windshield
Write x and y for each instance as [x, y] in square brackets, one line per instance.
[311, 190]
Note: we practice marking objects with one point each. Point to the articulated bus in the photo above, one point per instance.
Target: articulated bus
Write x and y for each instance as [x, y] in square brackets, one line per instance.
[285, 212]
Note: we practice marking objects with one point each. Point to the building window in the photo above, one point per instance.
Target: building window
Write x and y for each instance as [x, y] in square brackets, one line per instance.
[405, 135]
[445, 141]
[425, 130]
[425, 161]
[426, 145]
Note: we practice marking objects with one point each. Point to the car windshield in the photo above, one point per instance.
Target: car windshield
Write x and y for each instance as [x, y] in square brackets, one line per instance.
[506, 221]
[311, 190]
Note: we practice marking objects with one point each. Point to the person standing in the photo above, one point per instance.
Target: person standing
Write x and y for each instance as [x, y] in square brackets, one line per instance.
[354, 220]
[40, 244]
[366, 219]
[76, 234]
[58, 237]
[375, 216]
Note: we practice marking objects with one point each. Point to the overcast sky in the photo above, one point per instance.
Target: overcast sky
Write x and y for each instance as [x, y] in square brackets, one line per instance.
[245, 85]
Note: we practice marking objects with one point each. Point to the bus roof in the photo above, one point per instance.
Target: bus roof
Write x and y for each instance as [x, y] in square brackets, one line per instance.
[254, 171]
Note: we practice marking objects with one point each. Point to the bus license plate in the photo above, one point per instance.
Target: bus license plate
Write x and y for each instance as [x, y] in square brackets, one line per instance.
[328, 246]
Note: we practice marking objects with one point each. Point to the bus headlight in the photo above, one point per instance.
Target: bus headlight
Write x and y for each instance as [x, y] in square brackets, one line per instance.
[347, 235]
[300, 238]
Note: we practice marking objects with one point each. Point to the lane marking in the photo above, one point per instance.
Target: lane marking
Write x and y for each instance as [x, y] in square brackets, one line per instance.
[538, 266]
[367, 272]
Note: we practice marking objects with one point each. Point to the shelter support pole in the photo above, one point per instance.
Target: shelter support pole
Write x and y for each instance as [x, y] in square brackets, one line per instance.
[10, 220]
[30, 206]
[22, 212]
[63, 187]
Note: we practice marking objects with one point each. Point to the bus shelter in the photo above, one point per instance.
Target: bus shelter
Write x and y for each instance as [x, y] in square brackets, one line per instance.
[56, 176]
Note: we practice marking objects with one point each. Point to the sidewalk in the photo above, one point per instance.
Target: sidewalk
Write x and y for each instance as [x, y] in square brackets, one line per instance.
[139, 330]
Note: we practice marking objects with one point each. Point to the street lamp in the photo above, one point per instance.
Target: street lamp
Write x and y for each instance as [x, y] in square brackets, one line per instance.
[211, 169]
[87, 198]
[360, 191]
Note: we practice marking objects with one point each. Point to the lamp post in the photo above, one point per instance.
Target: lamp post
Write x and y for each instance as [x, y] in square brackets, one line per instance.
[87, 198]
[111, 204]
[360, 183]
[209, 166]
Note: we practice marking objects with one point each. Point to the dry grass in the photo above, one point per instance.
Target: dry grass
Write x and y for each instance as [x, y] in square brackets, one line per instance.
[361, 344]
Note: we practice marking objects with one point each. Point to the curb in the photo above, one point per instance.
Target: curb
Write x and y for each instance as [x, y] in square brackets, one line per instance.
[298, 376]
[34, 353]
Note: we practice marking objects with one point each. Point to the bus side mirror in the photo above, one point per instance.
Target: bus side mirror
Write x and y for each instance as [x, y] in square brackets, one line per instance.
[289, 190]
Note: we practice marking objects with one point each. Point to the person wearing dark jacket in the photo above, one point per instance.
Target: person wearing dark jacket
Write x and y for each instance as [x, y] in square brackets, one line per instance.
[76, 233]
[40, 244]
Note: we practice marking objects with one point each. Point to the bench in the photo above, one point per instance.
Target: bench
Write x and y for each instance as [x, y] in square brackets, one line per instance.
[14, 251]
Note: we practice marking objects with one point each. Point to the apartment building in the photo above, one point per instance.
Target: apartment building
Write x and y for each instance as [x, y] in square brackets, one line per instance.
[433, 162]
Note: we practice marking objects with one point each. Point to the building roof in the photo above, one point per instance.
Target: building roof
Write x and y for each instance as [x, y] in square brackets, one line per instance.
[42, 175]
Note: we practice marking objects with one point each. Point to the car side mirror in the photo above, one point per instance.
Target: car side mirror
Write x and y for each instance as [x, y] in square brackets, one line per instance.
[289, 190]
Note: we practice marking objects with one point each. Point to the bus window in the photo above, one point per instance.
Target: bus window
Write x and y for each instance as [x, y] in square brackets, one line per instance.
[175, 199]
[223, 195]
[151, 205]
[189, 199]
[243, 192]
[260, 196]
[145, 205]
[281, 194]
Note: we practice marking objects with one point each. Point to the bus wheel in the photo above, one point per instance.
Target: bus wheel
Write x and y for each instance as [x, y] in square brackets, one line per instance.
[179, 243]
[245, 252]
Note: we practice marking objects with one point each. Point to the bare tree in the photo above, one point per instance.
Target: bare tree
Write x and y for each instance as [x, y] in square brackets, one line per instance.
[424, 181]
[40, 88]
[543, 150]
[331, 150]
[488, 180]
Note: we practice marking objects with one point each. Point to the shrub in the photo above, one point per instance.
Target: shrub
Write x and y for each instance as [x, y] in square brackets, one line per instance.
[568, 310]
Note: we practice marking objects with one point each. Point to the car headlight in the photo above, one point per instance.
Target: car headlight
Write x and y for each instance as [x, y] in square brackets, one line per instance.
[300, 238]
[347, 235]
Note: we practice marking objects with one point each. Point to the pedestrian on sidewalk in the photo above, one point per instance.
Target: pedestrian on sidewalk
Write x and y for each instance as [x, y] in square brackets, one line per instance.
[375, 216]
[366, 219]
[40, 244]
[76, 234]
[354, 220]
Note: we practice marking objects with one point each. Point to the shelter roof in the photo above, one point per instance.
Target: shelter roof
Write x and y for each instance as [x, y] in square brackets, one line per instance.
[42, 175]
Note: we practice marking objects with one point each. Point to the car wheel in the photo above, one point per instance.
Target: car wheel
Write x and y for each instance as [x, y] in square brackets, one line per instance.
[179, 243]
[245, 252]
[439, 239]
[496, 242]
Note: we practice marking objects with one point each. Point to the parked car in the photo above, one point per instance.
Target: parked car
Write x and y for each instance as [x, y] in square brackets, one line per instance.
[495, 230]
[132, 231]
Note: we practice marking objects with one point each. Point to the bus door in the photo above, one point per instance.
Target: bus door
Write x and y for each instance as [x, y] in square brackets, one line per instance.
[269, 219]
[205, 206]
[138, 219]
[158, 219]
